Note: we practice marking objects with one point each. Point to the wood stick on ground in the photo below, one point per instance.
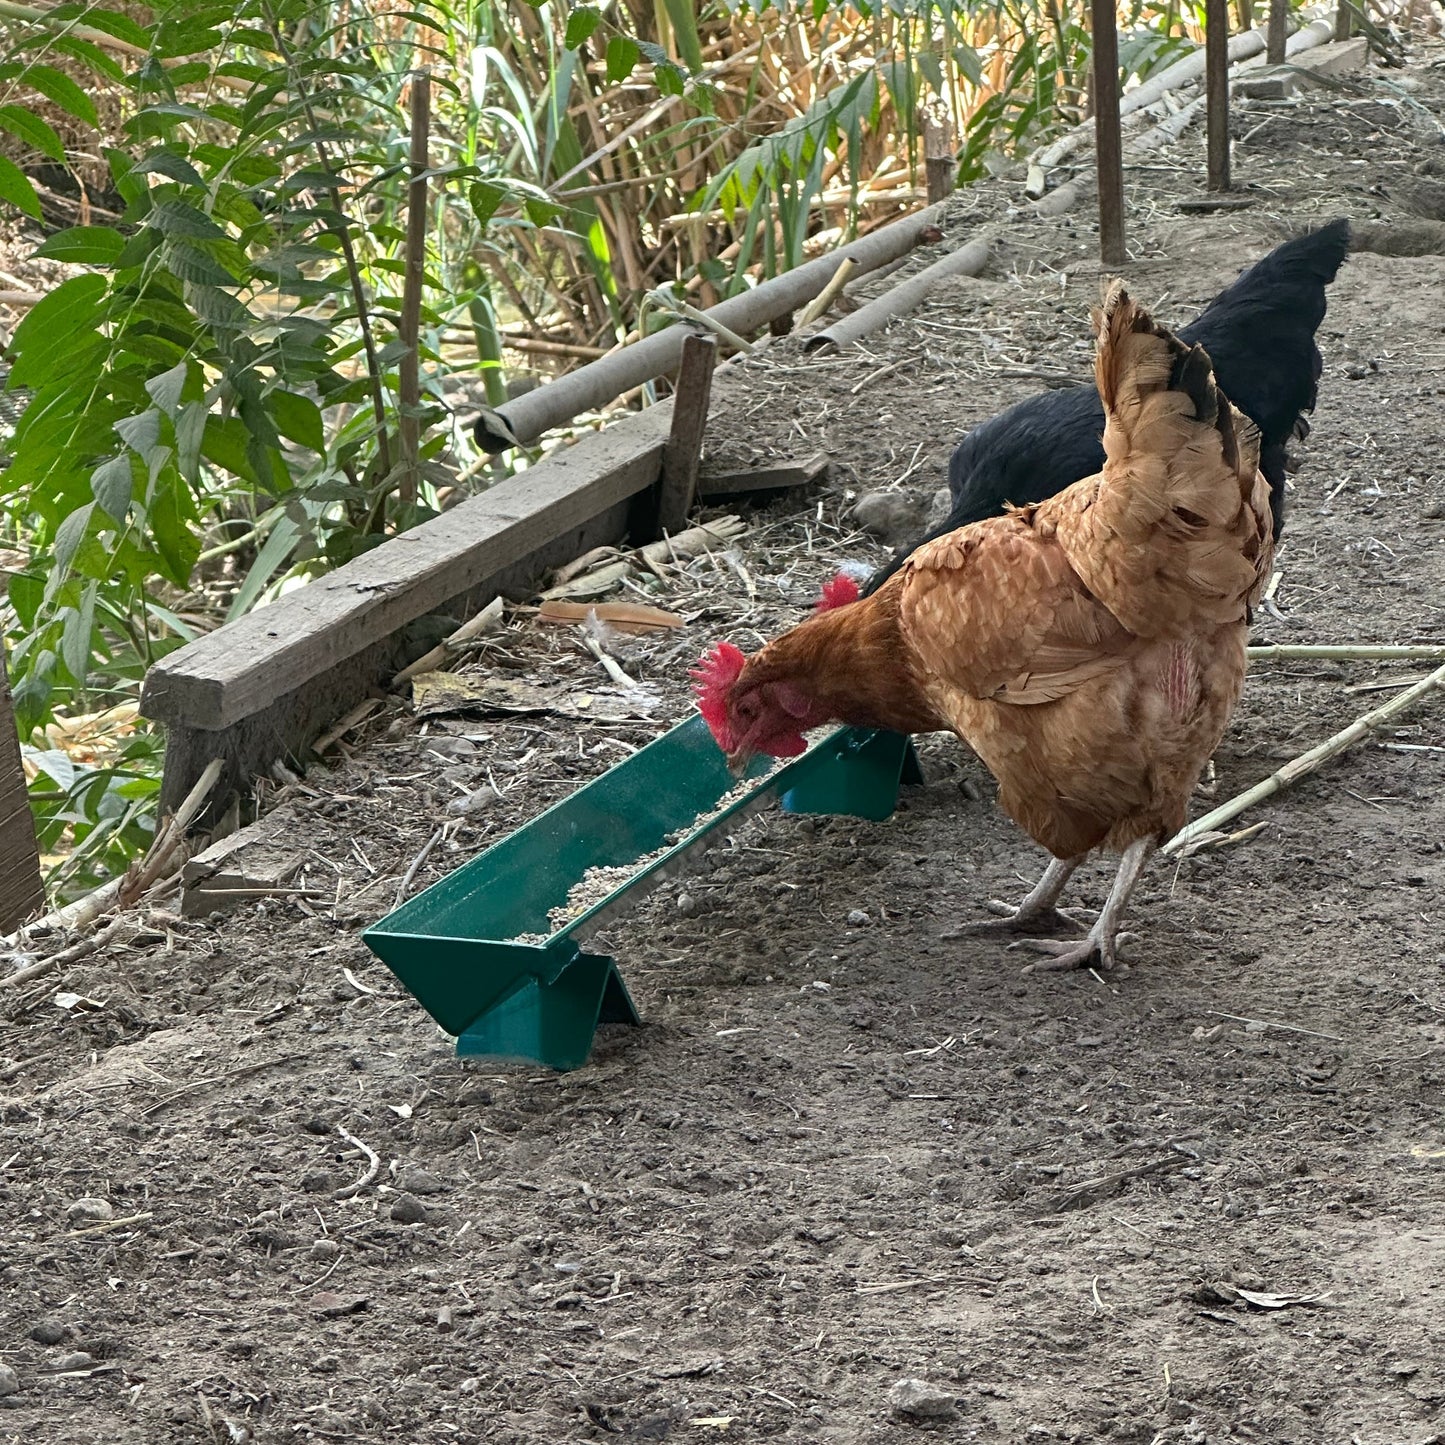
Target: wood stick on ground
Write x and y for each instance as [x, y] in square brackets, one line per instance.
[373, 1167]
[64, 958]
[824, 299]
[1363, 652]
[123, 891]
[691, 543]
[489, 617]
[1306, 763]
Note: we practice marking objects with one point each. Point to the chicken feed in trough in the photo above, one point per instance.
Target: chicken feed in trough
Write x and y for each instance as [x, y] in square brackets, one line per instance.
[494, 952]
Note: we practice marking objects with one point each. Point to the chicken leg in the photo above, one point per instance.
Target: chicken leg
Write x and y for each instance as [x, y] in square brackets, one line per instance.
[1038, 909]
[1103, 938]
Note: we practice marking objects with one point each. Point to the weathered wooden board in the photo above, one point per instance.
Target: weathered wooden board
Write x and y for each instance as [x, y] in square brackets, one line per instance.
[21, 893]
[763, 479]
[1315, 67]
[243, 668]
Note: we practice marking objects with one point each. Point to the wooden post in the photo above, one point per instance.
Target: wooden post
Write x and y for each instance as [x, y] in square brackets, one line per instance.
[683, 452]
[21, 893]
[1278, 14]
[408, 379]
[939, 163]
[1108, 143]
[1246, 14]
[1344, 19]
[1216, 73]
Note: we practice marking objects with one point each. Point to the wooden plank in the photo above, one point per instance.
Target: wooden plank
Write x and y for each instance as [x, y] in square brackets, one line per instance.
[284, 731]
[682, 455]
[21, 892]
[1216, 85]
[244, 667]
[764, 479]
[1335, 58]
[1108, 140]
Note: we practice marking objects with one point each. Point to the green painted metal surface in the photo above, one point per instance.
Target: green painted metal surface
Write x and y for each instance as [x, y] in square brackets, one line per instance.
[456, 945]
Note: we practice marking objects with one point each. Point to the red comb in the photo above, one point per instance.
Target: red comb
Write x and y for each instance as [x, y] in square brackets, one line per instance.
[838, 593]
[712, 677]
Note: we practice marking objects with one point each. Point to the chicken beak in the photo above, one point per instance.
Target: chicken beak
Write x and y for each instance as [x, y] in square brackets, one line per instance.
[738, 761]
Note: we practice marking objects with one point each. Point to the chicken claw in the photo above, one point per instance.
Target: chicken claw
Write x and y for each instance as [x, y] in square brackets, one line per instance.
[1097, 949]
[1038, 910]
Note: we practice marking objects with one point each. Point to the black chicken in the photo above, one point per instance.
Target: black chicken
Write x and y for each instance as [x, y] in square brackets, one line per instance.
[1260, 336]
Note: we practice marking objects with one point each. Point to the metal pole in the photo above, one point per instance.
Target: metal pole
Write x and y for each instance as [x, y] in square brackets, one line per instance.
[1216, 76]
[1108, 142]
[1278, 14]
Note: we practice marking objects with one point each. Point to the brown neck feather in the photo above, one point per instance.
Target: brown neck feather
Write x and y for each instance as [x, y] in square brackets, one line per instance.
[852, 661]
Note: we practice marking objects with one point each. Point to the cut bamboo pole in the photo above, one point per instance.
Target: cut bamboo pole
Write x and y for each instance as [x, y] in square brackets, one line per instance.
[1108, 137]
[1306, 763]
[524, 419]
[1216, 74]
[898, 300]
[1328, 652]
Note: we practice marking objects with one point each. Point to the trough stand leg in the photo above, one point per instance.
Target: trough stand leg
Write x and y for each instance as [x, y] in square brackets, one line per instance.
[860, 779]
[553, 1020]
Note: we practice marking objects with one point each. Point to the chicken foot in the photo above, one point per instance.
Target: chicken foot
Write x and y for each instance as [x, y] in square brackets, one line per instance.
[1103, 939]
[1038, 910]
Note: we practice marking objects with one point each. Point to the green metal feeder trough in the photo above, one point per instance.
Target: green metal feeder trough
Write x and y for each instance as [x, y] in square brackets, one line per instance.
[477, 949]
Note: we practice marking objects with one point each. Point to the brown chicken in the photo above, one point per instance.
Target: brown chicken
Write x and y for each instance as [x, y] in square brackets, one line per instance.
[1090, 648]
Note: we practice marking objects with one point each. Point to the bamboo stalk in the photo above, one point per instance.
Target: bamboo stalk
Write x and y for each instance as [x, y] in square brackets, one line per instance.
[824, 299]
[1325, 652]
[408, 380]
[1306, 763]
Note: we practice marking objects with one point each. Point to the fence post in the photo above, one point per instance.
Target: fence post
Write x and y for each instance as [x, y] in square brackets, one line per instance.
[1108, 142]
[1216, 71]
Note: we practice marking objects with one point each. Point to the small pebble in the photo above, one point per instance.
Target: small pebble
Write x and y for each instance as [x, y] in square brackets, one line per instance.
[408, 1209]
[89, 1211]
[687, 905]
[9, 1380]
[420, 1181]
[324, 1250]
[857, 918]
[48, 1332]
[75, 1360]
[920, 1400]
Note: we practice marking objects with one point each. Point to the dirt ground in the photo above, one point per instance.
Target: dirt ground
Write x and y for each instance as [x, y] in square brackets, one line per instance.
[1201, 1200]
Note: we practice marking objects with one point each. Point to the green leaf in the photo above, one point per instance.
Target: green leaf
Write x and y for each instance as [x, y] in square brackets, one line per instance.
[165, 389]
[580, 25]
[299, 418]
[68, 537]
[78, 634]
[32, 130]
[683, 14]
[485, 197]
[540, 212]
[169, 164]
[60, 319]
[142, 434]
[622, 57]
[84, 246]
[56, 86]
[110, 21]
[111, 483]
[176, 218]
[190, 430]
[17, 190]
[190, 263]
[172, 513]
